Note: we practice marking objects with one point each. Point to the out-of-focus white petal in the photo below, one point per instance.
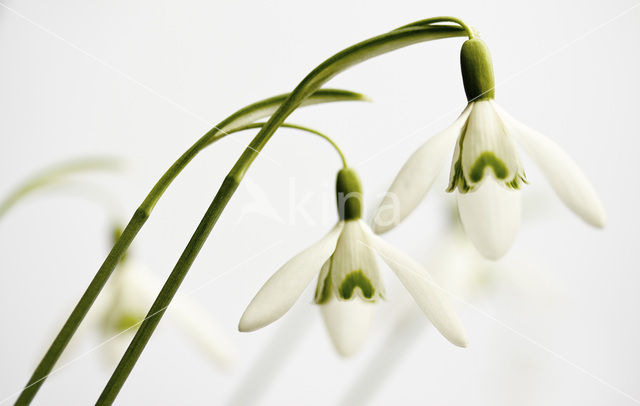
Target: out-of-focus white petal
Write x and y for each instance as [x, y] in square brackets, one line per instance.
[348, 323]
[133, 290]
[201, 328]
[428, 295]
[282, 290]
[561, 171]
[354, 267]
[416, 176]
[491, 216]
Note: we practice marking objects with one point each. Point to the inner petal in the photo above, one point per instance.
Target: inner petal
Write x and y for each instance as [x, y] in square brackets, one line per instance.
[486, 143]
[354, 267]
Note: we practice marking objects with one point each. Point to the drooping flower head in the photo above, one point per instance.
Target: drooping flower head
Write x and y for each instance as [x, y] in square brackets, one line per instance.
[486, 170]
[349, 280]
[125, 303]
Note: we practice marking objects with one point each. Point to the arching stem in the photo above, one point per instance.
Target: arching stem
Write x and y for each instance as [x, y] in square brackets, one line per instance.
[240, 118]
[312, 82]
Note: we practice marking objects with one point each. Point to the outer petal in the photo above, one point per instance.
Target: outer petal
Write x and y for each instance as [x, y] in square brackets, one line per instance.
[282, 290]
[416, 176]
[133, 291]
[198, 326]
[491, 216]
[563, 174]
[348, 323]
[427, 294]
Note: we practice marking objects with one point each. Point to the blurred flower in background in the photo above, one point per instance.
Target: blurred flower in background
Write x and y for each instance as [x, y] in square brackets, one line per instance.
[125, 301]
[129, 293]
[460, 269]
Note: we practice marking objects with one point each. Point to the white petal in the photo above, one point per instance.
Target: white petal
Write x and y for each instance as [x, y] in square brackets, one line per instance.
[428, 295]
[490, 215]
[416, 176]
[354, 267]
[348, 323]
[561, 171]
[485, 134]
[282, 290]
[201, 328]
[136, 290]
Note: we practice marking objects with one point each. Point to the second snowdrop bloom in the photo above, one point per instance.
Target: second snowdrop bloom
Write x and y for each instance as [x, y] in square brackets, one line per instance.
[125, 302]
[486, 172]
[349, 282]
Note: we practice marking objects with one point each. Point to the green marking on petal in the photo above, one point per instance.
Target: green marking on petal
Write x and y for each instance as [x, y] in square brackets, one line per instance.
[127, 320]
[458, 180]
[517, 181]
[323, 290]
[356, 279]
[485, 159]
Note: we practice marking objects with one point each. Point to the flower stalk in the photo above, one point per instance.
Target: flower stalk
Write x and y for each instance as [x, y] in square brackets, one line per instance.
[237, 120]
[421, 31]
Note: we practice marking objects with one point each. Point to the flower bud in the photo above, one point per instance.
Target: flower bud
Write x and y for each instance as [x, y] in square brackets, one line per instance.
[349, 195]
[477, 70]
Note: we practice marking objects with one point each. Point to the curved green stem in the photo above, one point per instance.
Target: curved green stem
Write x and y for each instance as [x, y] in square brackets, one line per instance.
[55, 175]
[240, 118]
[444, 19]
[306, 129]
[312, 82]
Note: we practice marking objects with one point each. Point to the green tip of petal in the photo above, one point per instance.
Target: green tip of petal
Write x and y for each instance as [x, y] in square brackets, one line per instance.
[127, 321]
[323, 290]
[341, 95]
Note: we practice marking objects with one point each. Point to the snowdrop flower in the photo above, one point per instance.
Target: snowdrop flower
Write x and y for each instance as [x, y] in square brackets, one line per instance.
[125, 302]
[486, 172]
[349, 281]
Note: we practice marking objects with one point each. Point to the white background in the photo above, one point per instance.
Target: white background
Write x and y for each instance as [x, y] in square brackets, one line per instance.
[142, 80]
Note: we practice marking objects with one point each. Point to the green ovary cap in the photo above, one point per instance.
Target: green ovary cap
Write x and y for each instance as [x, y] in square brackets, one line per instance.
[349, 194]
[477, 70]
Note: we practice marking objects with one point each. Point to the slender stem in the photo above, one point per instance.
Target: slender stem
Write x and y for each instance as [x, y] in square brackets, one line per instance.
[303, 128]
[47, 363]
[54, 175]
[444, 19]
[243, 116]
[325, 71]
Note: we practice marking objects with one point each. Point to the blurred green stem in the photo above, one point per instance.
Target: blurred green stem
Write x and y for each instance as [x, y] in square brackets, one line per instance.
[55, 175]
